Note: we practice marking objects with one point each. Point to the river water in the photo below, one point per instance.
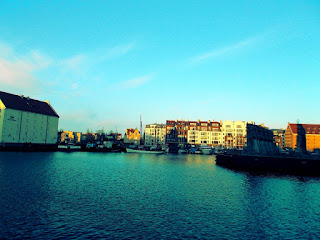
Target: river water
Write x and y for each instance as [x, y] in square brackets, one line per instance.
[121, 196]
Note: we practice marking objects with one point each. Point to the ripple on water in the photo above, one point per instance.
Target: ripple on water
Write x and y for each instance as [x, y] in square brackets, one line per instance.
[90, 195]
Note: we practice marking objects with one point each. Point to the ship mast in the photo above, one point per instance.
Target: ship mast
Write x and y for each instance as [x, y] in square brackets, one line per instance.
[140, 128]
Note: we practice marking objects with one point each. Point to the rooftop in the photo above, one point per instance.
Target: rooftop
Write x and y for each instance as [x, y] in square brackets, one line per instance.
[27, 104]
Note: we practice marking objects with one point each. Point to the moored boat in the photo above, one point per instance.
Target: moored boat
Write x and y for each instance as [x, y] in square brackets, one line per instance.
[130, 150]
[69, 148]
[205, 149]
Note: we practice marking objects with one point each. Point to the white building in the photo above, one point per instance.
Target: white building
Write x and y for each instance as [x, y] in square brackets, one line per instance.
[233, 134]
[25, 120]
[204, 133]
[155, 134]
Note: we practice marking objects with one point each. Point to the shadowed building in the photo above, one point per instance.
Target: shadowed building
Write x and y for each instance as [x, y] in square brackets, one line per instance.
[260, 140]
[25, 120]
[302, 136]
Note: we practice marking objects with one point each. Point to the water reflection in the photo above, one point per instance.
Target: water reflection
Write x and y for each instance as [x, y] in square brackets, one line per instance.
[92, 195]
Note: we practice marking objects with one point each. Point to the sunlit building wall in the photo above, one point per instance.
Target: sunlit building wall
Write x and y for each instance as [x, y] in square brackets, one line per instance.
[132, 136]
[204, 133]
[71, 137]
[25, 120]
[233, 134]
[312, 135]
[193, 132]
[155, 134]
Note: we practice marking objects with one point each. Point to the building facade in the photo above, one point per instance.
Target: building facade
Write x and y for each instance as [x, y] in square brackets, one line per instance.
[25, 120]
[204, 133]
[184, 133]
[309, 136]
[155, 134]
[71, 137]
[279, 137]
[228, 134]
[260, 140]
[132, 136]
[233, 134]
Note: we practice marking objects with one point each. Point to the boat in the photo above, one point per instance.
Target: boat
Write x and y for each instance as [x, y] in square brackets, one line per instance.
[205, 149]
[182, 151]
[131, 150]
[69, 148]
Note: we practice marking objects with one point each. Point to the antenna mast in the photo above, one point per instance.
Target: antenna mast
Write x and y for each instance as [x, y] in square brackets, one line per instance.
[140, 124]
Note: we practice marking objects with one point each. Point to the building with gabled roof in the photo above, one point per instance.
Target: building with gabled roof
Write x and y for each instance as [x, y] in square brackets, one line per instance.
[132, 136]
[25, 120]
[310, 138]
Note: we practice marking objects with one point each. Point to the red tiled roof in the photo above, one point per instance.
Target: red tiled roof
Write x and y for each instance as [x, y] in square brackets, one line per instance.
[26, 104]
[130, 131]
[309, 128]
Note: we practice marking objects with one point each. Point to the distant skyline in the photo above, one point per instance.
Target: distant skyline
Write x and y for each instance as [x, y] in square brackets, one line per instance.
[102, 64]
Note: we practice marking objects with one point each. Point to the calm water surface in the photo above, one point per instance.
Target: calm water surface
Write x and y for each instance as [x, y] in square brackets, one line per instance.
[113, 195]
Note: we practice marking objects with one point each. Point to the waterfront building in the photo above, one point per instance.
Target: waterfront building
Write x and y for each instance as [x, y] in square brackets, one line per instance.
[279, 137]
[114, 136]
[228, 134]
[25, 120]
[204, 133]
[71, 137]
[132, 136]
[155, 134]
[233, 134]
[199, 132]
[260, 140]
[310, 136]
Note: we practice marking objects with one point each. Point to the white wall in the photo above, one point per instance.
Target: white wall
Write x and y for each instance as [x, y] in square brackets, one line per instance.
[21, 127]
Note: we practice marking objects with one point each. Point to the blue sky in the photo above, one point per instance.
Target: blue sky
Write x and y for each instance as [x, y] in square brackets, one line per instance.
[103, 63]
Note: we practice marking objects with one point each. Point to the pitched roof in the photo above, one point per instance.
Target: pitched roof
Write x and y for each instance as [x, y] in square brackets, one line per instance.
[309, 128]
[26, 104]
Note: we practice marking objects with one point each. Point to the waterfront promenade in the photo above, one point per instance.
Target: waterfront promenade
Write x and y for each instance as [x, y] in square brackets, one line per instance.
[118, 195]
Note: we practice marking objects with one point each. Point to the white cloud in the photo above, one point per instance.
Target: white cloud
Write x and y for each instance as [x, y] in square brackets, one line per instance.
[5, 50]
[134, 82]
[22, 71]
[73, 63]
[74, 86]
[17, 71]
[227, 50]
[40, 61]
[119, 50]
[16, 74]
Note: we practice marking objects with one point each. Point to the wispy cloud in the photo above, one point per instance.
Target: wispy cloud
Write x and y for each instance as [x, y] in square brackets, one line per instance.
[79, 62]
[226, 50]
[16, 74]
[120, 50]
[134, 82]
[29, 71]
[17, 71]
[73, 63]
